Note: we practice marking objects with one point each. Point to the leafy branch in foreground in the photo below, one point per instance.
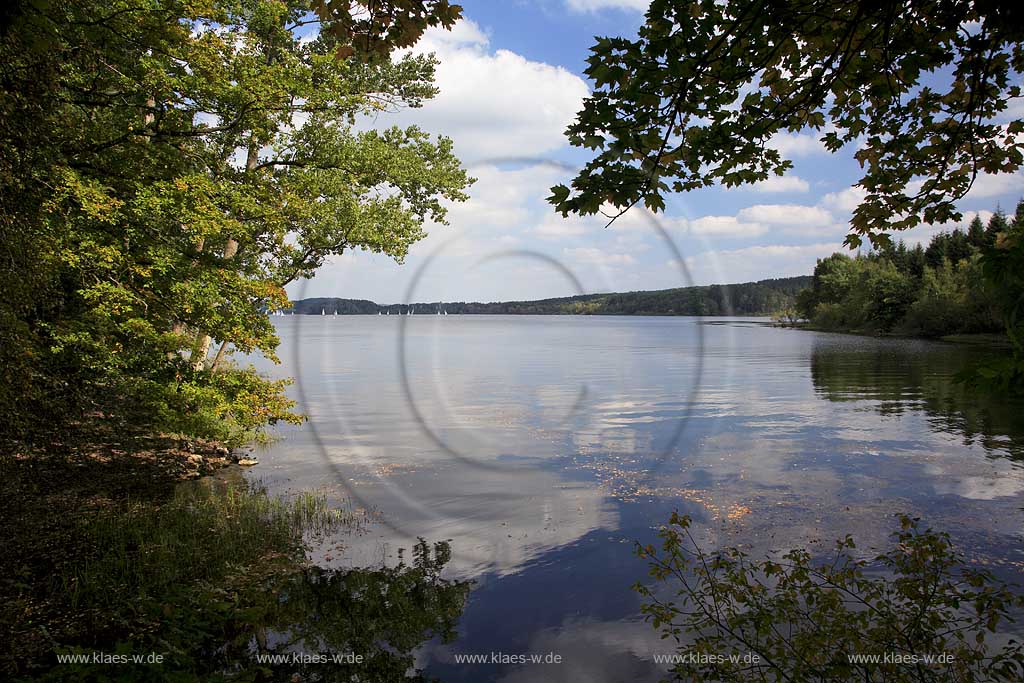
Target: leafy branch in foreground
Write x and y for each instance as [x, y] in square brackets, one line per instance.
[700, 96]
[372, 29]
[807, 620]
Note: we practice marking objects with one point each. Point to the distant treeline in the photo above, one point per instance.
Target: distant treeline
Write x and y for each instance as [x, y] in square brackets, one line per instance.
[750, 298]
[931, 291]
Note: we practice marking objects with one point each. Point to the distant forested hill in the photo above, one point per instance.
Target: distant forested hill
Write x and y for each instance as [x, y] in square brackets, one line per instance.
[750, 298]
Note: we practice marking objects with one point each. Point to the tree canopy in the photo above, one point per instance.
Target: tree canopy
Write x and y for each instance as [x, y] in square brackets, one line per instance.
[167, 168]
[696, 99]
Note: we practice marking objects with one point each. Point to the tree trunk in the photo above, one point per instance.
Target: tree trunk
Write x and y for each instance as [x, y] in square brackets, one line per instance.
[149, 117]
[220, 355]
[201, 351]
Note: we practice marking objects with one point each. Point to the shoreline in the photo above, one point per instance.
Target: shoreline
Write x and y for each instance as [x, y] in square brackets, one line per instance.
[983, 339]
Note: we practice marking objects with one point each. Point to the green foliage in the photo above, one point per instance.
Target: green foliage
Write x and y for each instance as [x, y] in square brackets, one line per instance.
[805, 617]
[167, 168]
[952, 298]
[963, 283]
[869, 294]
[231, 406]
[976, 233]
[833, 278]
[207, 577]
[698, 96]
[953, 246]
[931, 292]
[1003, 266]
[889, 292]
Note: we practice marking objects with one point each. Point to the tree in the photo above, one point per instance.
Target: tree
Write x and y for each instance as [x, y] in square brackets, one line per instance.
[176, 167]
[805, 303]
[953, 246]
[889, 294]
[960, 247]
[1003, 266]
[937, 251]
[1018, 214]
[931, 293]
[996, 224]
[914, 262]
[698, 96]
[833, 277]
[976, 232]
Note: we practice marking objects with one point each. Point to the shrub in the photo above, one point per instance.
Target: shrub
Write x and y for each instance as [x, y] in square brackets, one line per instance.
[808, 620]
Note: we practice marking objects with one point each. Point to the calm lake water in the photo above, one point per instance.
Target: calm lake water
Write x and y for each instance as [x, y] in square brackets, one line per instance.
[545, 447]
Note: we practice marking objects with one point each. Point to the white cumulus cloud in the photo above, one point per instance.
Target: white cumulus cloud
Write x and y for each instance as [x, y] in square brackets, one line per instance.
[797, 144]
[845, 200]
[725, 226]
[493, 104]
[780, 183]
[989, 185]
[786, 215]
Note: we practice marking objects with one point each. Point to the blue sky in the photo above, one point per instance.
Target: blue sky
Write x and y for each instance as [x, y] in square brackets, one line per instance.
[511, 80]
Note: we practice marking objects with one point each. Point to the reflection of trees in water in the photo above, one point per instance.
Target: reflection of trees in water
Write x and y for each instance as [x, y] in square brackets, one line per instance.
[381, 614]
[916, 376]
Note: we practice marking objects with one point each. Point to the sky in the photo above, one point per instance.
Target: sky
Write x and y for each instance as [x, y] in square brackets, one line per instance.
[511, 81]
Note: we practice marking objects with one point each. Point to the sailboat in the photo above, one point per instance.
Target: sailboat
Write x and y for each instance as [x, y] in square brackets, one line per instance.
[335, 311]
[446, 311]
[323, 311]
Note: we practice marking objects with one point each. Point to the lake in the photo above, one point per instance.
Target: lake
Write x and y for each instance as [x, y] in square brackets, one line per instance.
[544, 447]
